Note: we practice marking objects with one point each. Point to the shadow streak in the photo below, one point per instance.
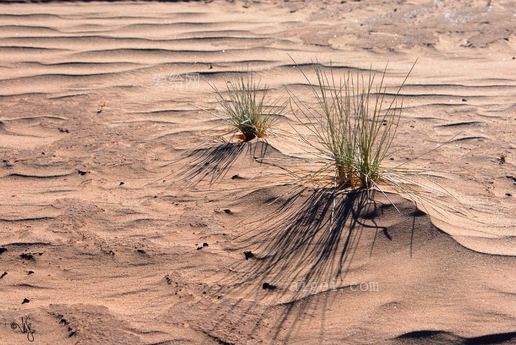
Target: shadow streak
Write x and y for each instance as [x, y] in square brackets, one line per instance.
[310, 240]
[296, 256]
[212, 164]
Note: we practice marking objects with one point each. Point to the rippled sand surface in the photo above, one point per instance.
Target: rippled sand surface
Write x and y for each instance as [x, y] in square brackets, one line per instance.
[109, 236]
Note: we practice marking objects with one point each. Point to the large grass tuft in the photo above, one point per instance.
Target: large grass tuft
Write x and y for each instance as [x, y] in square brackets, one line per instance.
[351, 126]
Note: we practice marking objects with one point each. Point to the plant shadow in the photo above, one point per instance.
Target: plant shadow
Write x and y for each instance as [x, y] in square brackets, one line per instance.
[213, 163]
[296, 256]
[310, 236]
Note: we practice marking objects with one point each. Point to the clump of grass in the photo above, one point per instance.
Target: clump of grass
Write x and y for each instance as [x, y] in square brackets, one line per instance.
[354, 125]
[244, 106]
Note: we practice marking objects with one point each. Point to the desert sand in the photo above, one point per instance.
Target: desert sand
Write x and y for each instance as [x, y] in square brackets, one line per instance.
[110, 235]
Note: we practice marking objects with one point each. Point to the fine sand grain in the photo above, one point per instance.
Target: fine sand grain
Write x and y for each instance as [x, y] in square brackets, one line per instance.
[110, 232]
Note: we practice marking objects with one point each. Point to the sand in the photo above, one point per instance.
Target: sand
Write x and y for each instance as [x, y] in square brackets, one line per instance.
[109, 236]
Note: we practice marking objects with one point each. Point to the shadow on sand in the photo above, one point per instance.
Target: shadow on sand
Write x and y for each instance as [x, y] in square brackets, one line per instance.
[212, 164]
[294, 256]
[309, 236]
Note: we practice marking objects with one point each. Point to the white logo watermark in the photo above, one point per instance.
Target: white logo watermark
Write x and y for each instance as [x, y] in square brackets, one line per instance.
[334, 286]
[178, 81]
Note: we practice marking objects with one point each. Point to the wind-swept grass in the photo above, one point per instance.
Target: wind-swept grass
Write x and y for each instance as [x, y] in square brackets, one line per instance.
[246, 107]
[351, 127]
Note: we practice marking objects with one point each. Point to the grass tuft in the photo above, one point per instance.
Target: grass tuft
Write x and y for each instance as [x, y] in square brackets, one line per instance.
[351, 126]
[244, 107]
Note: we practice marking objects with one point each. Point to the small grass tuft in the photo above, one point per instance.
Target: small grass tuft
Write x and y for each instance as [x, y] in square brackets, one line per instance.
[244, 107]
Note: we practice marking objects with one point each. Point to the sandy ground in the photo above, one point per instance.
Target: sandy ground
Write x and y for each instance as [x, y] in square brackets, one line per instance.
[109, 236]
